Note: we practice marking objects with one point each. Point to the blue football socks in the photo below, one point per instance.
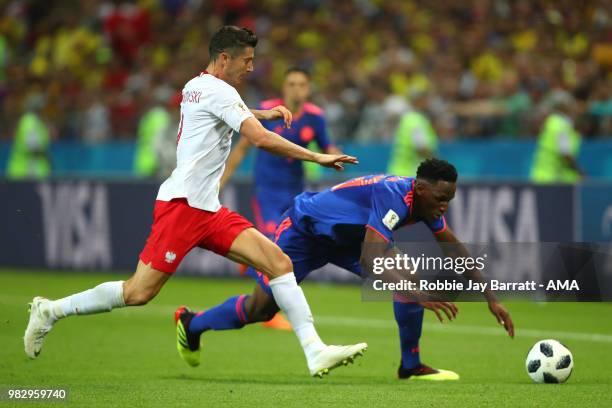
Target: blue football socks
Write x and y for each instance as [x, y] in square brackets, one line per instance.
[409, 318]
[228, 315]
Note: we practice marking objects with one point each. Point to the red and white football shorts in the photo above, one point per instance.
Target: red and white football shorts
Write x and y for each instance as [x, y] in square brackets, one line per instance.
[178, 228]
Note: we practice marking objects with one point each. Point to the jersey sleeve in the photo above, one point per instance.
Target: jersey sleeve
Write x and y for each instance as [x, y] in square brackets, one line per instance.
[226, 104]
[388, 210]
[321, 135]
[437, 226]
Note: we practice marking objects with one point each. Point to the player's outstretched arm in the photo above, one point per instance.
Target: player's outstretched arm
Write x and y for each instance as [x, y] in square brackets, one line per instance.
[375, 246]
[333, 149]
[262, 138]
[459, 250]
[235, 158]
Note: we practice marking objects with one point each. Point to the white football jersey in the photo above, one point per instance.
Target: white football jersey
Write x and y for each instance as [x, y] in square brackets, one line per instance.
[211, 109]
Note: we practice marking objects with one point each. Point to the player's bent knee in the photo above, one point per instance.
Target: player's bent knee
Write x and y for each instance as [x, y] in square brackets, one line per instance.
[286, 265]
[281, 264]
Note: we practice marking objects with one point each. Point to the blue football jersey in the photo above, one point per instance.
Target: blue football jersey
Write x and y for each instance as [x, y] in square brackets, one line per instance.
[342, 213]
[272, 171]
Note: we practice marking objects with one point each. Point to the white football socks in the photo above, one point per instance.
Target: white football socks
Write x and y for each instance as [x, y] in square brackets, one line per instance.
[102, 298]
[290, 298]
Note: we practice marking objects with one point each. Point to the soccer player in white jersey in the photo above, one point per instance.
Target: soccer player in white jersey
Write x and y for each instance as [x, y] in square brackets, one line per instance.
[187, 212]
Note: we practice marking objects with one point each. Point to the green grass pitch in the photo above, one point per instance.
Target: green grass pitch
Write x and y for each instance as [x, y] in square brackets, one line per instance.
[128, 357]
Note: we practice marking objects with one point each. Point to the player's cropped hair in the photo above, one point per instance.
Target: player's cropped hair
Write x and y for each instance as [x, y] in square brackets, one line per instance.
[291, 70]
[434, 170]
[231, 39]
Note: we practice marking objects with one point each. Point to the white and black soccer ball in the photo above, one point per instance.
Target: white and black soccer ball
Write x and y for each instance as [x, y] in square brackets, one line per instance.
[549, 361]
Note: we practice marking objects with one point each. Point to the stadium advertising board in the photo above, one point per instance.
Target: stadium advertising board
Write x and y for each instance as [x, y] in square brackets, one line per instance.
[102, 225]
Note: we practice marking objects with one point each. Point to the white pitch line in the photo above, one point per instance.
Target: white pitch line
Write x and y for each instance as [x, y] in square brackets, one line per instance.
[464, 329]
[371, 323]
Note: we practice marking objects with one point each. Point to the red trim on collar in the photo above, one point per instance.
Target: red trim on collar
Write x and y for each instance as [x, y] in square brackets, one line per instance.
[409, 198]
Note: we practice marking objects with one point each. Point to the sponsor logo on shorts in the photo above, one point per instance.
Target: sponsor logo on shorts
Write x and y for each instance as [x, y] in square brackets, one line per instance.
[170, 257]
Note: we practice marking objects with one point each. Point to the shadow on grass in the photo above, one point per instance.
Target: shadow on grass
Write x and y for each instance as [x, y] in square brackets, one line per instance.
[289, 381]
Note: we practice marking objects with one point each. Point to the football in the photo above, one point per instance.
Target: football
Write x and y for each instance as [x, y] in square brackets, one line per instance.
[549, 361]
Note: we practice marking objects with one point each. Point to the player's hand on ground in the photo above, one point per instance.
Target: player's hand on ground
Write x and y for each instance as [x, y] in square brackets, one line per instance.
[448, 308]
[502, 316]
[335, 161]
[280, 112]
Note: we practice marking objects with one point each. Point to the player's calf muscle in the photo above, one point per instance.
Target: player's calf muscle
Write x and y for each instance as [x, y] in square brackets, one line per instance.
[259, 316]
[137, 296]
[260, 311]
[144, 285]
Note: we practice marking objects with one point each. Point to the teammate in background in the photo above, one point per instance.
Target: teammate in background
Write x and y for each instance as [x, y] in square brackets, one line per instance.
[279, 179]
[558, 147]
[415, 139]
[331, 226]
[29, 157]
[188, 213]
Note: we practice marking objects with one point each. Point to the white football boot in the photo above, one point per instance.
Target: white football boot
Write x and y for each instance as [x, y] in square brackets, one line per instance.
[331, 357]
[41, 322]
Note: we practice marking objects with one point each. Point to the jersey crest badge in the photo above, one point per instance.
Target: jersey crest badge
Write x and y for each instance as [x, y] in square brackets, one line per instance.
[241, 107]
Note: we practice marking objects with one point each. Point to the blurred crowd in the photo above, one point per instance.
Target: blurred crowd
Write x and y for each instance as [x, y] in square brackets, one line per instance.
[486, 68]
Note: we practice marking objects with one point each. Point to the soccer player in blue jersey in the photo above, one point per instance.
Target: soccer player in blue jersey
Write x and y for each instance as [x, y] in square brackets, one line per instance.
[331, 226]
[279, 180]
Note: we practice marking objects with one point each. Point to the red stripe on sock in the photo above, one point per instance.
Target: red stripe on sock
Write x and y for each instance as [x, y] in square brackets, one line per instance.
[239, 310]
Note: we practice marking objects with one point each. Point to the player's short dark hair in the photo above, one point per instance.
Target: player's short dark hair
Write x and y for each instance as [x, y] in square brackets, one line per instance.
[301, 70]
[434, 170]
[231, 39]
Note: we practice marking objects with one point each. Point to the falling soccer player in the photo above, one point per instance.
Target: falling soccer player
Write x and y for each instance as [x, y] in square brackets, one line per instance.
[331, 226]
[188, 214]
